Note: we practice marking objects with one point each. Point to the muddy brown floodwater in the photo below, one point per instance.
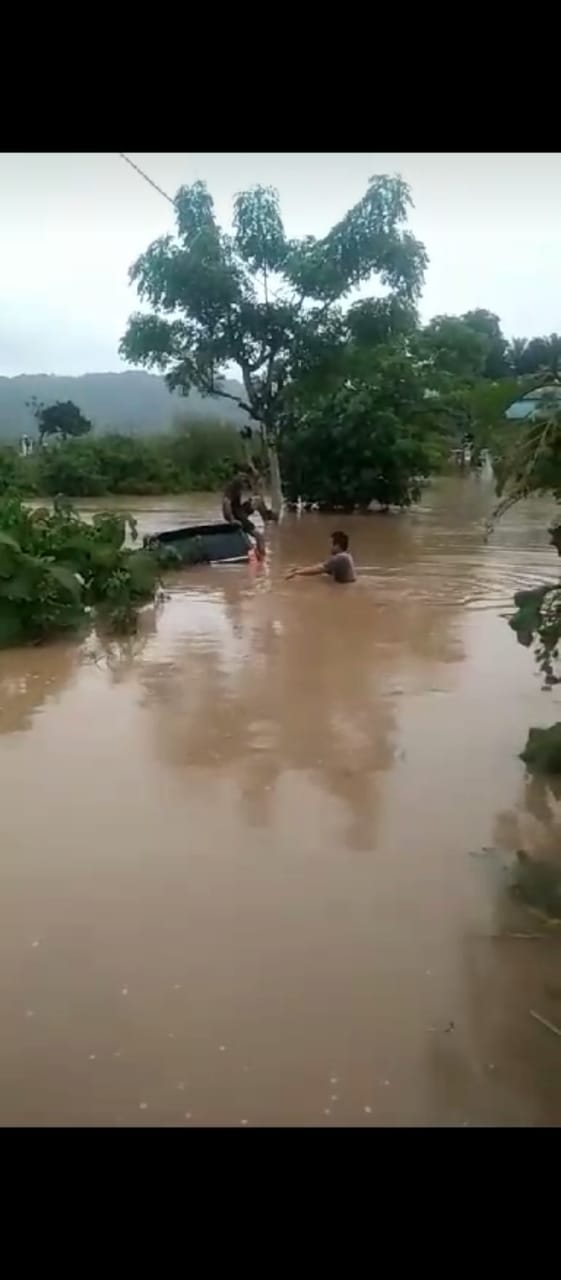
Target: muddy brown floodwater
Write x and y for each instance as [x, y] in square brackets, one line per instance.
[235, 875]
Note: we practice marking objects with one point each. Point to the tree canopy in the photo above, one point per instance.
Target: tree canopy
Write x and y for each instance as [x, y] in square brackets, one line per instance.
[275, 306]
[63, 419]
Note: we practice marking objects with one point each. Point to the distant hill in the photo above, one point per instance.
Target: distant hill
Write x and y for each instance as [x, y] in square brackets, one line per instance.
[133, 402]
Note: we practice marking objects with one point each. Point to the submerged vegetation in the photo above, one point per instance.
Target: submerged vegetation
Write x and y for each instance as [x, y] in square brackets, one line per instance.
[57, 572]
[529, 463]
[542, 753]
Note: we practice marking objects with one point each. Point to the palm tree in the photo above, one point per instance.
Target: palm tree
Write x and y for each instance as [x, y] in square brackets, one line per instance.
[541, 356]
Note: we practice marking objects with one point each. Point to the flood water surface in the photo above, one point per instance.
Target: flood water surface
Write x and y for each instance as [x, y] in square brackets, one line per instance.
[237, 871]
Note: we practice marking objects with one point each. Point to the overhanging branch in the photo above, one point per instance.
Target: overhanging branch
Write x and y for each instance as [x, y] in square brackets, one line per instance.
[227, 395]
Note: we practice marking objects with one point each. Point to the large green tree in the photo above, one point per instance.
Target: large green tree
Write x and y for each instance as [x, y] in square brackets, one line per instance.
[373, 434]
[495, 347]
[468, 346]
[274, 306]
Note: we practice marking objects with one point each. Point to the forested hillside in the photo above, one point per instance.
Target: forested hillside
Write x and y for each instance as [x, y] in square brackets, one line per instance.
[134, 402]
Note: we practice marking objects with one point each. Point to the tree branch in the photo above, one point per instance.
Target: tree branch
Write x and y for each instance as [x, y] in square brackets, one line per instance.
[227, 395]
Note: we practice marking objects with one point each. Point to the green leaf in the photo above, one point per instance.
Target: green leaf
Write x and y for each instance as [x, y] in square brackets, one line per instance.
[67, 580]
[16, 588]
[143, 571]
[7, 541]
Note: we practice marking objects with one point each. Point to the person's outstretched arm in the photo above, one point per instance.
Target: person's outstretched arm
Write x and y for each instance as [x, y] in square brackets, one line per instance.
[309, 571]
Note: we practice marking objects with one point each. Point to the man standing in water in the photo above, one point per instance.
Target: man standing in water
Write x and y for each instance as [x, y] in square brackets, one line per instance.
[339, 566]
[236, 510]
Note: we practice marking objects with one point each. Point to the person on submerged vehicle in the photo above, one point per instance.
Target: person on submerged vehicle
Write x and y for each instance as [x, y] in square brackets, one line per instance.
[339, 566]
[237, 510]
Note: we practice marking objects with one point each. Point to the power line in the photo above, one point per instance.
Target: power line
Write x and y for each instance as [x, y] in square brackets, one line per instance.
[146, 178]
[158, 189]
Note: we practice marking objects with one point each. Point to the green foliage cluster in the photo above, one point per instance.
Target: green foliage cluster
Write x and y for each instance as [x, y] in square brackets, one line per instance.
[528, 461]
[535, 881]
[537, 621]
[195, 458]
[542, 753]
[374, 438]
[62, 419]
[55, 569]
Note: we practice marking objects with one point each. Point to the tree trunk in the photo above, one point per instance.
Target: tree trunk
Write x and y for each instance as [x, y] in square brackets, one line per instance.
[276, 482]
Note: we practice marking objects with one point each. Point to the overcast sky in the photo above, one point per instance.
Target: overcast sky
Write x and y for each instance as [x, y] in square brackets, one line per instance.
[72, 223]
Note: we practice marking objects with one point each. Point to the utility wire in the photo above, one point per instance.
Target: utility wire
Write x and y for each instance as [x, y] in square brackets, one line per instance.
[146, 178]
[158, 189]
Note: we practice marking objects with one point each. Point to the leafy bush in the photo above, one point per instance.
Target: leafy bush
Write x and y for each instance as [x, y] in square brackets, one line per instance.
[351, 452]
[542, 753]
[16, 476]
[536, 883]
[72, 468]
[54, 567]
[196, 457]
[37, 597]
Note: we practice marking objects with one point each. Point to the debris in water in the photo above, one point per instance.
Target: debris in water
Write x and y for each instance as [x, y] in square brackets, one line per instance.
[450, 1027]
[334, 1097]
[116, 1053]
[92, 1057]
[386, 1082]
[188, 1115]
[222, 1048]
[181, 1084]
[30, 1013]
[143, 1106]
[245, 1068]
[545, 1022]
[171, 1035]
[177, 986]
[327, 1111]
[36, 943]
[124, 991]
[333, 1080]
[368, 1111]
[243, 1121]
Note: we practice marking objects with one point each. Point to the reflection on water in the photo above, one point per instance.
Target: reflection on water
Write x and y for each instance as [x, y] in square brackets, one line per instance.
[235, 880]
